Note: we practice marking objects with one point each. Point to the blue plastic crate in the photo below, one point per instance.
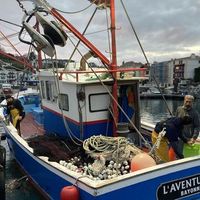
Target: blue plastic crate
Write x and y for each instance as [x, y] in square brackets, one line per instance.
[38, 115]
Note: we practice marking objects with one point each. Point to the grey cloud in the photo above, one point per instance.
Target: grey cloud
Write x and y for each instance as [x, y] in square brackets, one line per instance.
[165, 28]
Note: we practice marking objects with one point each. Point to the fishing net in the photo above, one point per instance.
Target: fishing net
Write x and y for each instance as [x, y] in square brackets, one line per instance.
[55, 148]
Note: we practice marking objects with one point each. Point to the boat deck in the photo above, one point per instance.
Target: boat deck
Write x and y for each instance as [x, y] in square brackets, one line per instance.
[51, 146]
[29, 127]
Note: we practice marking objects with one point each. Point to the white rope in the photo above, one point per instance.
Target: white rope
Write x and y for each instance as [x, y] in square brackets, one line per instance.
[160, 136]
[108, 147]
[158, 140]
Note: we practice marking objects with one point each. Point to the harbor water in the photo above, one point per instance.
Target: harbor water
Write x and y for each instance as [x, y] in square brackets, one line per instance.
[17, 185]
[154, 110]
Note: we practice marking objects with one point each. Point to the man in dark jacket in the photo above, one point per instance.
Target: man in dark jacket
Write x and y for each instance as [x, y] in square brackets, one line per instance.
[16, 112]
[190, 131]
[172, 129]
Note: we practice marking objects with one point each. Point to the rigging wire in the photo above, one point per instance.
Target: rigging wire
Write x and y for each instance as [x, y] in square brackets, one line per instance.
[135, 33]
[8, 27]
[108, 34]
[110, 94]
[25, 61]
[8, 22]
[69, 37]
[9, 36]
[25, 69]
[86, 49]
[79, 39]
[13, 46]
[75, 12]
[75, 38]
[148, 63]
[22, 7]
[94, 32]
[110, 109]
[59, 100]
[88, 34]
[9, 45]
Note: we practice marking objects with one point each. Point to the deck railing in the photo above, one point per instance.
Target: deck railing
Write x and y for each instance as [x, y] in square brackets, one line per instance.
[123, 73]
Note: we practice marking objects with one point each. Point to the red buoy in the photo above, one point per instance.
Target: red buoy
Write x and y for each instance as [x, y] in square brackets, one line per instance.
[69, 193]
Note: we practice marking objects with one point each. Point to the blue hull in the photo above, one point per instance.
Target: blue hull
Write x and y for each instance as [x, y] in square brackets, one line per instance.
[177, 180]
[53, 123]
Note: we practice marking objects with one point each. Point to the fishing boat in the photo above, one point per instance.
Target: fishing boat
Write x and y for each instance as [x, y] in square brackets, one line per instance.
[90, 144]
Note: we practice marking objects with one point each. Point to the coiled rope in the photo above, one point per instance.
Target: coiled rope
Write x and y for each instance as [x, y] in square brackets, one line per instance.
[109, 147]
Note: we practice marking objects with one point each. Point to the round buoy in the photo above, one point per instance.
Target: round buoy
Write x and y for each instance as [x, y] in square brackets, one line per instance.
[171, 154]
[69, 193]
[141, 161]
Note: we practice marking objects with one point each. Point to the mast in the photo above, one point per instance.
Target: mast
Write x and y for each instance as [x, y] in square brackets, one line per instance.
[113, 65]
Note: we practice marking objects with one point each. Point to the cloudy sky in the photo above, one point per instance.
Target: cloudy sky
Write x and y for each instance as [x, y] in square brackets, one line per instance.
[166, 29]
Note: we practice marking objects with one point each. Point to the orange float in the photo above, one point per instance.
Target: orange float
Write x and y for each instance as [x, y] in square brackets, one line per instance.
[141, 161]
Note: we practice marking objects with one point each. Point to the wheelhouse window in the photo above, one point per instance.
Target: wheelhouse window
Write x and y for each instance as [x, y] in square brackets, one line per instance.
[64, 102]
[99, 102]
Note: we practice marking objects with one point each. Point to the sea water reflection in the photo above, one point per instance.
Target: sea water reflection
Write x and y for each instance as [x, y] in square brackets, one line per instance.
[153, 110]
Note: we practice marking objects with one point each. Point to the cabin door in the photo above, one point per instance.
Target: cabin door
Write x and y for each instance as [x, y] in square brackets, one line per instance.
[129, 101]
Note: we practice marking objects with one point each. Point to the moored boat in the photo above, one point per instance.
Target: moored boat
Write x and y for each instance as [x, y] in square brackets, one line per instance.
[84, 112]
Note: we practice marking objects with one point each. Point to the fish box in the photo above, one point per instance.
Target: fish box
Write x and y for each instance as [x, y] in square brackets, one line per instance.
[38, 115]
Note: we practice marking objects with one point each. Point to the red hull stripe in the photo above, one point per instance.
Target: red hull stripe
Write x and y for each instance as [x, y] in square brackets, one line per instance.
[73, 121]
